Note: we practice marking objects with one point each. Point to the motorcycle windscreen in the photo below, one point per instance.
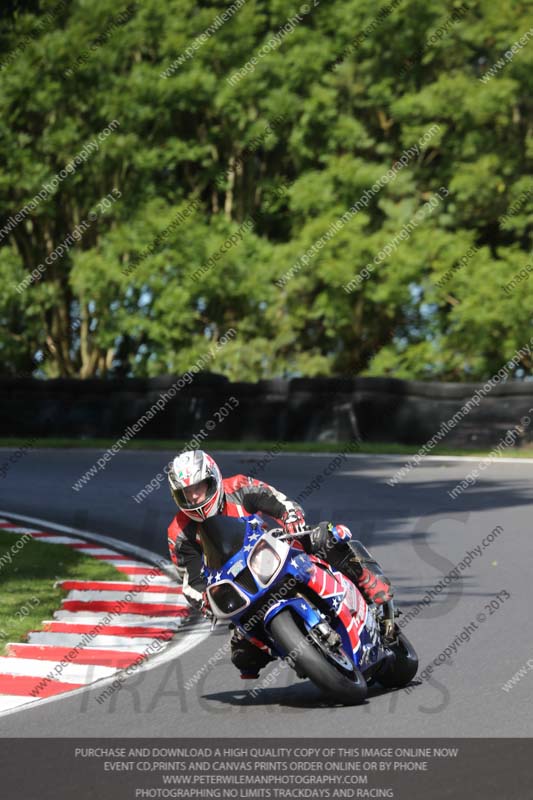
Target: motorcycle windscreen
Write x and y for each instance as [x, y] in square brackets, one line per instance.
[221, 537]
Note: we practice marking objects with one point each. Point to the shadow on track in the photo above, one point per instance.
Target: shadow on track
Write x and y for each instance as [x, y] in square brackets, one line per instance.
[302, 696]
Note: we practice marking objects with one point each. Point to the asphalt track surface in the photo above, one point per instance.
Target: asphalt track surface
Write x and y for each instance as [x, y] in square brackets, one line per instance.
[415, 529]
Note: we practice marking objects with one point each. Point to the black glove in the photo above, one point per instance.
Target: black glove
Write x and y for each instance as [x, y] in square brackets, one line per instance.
[318, 539]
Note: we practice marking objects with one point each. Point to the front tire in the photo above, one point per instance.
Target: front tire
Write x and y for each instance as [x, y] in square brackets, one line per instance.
[313, 662]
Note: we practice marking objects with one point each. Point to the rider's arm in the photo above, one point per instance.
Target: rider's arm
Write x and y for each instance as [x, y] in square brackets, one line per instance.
[186, 553]
[258, 496]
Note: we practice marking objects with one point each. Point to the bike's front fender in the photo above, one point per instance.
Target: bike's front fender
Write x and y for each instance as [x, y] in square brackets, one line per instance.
[300, 606]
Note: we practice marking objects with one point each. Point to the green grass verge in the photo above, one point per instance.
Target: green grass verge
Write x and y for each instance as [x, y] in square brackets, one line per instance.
[377, 448]
[27, 594]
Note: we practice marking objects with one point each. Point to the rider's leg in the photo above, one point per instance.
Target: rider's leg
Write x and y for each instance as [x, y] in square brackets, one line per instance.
[353, 559]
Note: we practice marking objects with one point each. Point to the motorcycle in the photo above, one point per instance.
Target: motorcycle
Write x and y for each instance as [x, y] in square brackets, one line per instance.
[304, 611]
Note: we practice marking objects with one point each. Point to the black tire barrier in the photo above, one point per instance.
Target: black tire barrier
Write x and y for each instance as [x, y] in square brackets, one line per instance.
[301, 409]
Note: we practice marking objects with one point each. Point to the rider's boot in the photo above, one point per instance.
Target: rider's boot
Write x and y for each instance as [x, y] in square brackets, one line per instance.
[249, 657]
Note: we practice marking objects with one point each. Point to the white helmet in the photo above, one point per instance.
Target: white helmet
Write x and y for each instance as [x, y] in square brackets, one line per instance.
[191, 468]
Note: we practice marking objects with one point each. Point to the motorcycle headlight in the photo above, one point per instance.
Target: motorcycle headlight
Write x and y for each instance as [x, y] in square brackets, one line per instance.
[264, 562]
[225, 599]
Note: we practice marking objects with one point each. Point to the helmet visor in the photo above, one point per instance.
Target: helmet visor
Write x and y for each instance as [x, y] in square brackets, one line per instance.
[194, 497]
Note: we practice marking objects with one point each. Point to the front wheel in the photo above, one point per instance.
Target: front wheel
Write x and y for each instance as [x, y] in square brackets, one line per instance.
[308, 658]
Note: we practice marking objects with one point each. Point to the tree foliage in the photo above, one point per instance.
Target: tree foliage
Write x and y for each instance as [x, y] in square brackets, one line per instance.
[284, 151]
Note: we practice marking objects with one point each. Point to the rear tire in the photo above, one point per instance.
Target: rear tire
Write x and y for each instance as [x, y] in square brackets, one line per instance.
[313, 662]
[400, 671]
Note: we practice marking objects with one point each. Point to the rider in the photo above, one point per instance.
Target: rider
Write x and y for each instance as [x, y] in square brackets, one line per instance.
[200, 492]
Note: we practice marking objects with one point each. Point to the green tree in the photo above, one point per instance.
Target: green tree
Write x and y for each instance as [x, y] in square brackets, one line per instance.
[273, 158]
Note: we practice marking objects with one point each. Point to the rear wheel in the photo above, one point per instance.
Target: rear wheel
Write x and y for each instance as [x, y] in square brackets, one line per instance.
[311, 659]
[402, 669]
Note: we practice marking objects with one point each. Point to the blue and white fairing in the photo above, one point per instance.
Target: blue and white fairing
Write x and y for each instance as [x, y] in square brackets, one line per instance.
[254, 574]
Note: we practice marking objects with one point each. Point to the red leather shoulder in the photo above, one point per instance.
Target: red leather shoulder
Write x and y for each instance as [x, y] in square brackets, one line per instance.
[235, 483]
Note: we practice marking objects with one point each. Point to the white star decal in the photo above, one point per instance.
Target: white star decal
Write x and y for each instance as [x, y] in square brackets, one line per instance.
[253, 537]
[247, 548]
[210, 579]
[294, 562]
[218, 576]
